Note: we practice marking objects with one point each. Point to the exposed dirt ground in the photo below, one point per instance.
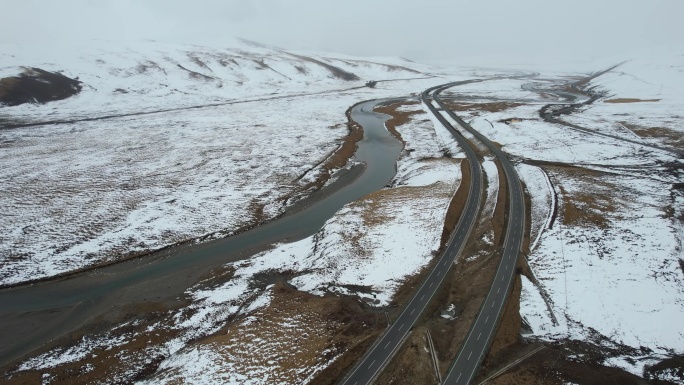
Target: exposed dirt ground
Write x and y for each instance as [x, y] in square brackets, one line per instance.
[663, 134]
[37, 86]
[588, 208]
[398, 117]
[478, 108]
[629, 100]
[298, 327]
[110, 362]
[500, 211]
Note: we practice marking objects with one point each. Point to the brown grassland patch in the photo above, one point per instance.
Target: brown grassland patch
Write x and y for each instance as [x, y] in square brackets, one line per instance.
[332, 324]
[398, 118]
[629, 100]
[457, 203]
[589, 203]
[109, 362]
[667, 135]
[500, 211]
[484, 107]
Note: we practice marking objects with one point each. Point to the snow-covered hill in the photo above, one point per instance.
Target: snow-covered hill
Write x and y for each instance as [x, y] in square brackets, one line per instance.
[140, 76]
[166, 143]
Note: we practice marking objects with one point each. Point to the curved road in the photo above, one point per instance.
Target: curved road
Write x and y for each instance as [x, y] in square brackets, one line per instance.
[479, 337]
[482, 331]
[379, 355]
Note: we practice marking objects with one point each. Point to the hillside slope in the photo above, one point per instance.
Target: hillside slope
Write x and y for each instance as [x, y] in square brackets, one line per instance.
[166, 143]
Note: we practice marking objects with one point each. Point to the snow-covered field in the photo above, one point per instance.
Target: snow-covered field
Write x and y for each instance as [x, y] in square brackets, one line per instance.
[83, 193]
[644, 102]
[79, 194]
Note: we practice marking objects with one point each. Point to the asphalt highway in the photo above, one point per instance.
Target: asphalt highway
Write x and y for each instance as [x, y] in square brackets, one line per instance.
[482, 330]
[377, 357]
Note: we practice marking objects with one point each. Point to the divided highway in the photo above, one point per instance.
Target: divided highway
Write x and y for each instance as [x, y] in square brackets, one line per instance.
[482, 331]
[372, 363]
[484, 327]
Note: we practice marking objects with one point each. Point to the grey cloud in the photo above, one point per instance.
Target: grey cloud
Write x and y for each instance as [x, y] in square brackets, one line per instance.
[432, 30]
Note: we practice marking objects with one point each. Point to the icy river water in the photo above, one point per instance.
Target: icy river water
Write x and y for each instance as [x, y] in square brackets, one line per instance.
[32, 315]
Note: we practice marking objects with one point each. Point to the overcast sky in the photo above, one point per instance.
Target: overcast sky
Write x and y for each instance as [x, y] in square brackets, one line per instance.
[427, 30]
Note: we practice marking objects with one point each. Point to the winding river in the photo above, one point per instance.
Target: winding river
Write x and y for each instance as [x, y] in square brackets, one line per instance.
[33, 315]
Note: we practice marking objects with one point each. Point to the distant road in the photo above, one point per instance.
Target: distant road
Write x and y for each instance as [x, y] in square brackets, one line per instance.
[370, 365]
[482, 331]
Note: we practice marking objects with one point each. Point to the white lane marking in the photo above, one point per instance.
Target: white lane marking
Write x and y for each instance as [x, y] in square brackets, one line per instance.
[431, 284]
[479, 335]
[421, 298]
[471, 353]
[492, 303]
[498, 290]
[401, 327]
[412, 311]
[502, 278]
[371, 364]
[458, 378]
[487, 320]
[387, 345]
